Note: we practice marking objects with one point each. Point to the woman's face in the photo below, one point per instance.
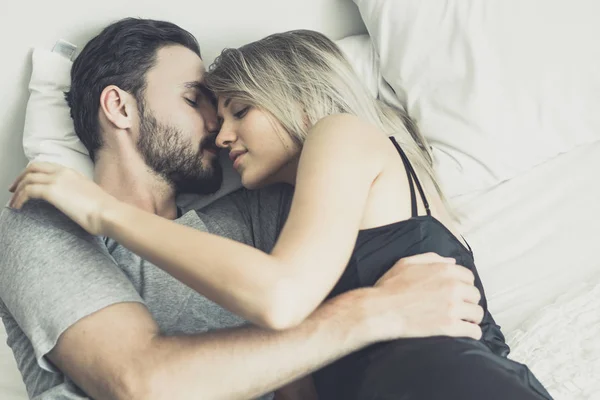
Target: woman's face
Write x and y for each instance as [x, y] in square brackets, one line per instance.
[261, 150]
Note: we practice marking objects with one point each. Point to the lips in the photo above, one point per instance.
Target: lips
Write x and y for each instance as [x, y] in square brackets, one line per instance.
[235, 157]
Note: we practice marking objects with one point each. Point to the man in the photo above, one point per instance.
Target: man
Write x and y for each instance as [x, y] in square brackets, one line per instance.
[86, 317]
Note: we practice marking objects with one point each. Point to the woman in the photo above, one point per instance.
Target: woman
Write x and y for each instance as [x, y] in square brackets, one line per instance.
[292, 110]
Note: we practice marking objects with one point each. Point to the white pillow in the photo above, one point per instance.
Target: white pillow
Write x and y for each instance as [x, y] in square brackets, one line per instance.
[361, 53]
[49, 134]
[498, 86]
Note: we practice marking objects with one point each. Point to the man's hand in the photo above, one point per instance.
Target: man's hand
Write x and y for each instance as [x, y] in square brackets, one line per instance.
[424, 295]
[126, 358]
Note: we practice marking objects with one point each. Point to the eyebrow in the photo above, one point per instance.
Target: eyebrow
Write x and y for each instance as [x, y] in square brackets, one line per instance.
[193, 85]
[201, 87]
[225, 105]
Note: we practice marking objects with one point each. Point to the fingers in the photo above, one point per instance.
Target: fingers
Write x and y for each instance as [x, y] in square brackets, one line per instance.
[34, 178]
[31, 185]
[470, 293]
[28, 193]
[463, 274]
[45, 167]
[36, 167]
[464, 329]
[16, 182]
[426, 258]
[429, 260]
[470, 313]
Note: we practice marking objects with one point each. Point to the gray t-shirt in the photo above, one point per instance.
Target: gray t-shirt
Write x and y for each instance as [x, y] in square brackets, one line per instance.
[53, 273]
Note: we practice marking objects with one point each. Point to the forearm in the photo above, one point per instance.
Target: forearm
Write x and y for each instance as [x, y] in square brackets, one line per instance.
[236, 276]
[247, 362]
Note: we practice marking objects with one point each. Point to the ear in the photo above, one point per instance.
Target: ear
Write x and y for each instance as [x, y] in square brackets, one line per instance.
[118, 105]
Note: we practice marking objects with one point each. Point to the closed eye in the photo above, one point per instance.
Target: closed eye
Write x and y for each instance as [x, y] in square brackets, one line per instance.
[242, 112]
[191, 102]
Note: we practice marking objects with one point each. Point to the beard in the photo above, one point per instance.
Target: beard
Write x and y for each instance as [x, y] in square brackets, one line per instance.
[175, 159]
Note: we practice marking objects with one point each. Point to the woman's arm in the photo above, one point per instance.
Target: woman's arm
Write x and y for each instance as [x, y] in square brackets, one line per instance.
[339, 162]
[337, 166]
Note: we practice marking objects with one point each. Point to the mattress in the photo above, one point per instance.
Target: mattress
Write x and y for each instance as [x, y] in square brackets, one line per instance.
[534, 238]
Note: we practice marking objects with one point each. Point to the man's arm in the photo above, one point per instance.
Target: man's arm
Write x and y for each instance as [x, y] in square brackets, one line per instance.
[80, 312]
[119, 353]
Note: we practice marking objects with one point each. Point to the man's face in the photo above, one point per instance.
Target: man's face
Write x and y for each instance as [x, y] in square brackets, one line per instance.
[178, 123]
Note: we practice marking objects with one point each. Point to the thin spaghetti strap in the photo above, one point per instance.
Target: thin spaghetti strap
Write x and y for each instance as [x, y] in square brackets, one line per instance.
[412, 175]
[413, 196]
[467, 243]
[419, 187]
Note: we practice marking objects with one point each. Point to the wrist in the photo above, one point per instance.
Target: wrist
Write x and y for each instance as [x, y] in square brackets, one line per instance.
[379, 317]
[357, 310]
[111, 212]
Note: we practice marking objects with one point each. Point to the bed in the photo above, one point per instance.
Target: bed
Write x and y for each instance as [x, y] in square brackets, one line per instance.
[511, 113]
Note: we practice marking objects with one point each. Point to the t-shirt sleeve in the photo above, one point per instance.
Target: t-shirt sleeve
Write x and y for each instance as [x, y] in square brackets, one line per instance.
[53, 273]
[254, 217]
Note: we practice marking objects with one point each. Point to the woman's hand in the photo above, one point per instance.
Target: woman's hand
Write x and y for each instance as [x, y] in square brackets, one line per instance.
[78, 197]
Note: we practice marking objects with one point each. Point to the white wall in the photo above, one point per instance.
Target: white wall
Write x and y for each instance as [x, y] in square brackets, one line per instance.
[216, 24]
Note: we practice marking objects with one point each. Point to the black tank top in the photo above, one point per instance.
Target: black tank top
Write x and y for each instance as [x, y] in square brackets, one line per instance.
[377, 250]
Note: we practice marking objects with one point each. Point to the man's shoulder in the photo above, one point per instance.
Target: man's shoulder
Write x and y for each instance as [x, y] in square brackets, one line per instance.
[245, 198]
[38, 220]
[254, 217]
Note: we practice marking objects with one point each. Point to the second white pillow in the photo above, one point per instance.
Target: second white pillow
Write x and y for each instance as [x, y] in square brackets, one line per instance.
[498, 86]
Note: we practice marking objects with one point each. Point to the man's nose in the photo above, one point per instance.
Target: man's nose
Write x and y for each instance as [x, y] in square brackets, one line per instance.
[210, 121]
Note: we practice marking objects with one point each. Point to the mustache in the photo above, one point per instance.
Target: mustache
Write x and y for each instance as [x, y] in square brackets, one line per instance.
[210, 142]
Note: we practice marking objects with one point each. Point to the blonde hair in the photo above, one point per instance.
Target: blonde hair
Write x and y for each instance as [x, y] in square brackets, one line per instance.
[301, 77]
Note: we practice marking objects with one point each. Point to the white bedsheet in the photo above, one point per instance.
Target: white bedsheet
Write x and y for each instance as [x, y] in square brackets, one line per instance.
[537, 235]
[535, 238]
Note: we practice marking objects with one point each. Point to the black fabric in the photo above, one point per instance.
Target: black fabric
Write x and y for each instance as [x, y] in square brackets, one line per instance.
[437, 368]
[422, 368]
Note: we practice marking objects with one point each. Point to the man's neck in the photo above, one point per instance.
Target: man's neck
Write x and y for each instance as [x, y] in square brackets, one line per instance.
[129, 179]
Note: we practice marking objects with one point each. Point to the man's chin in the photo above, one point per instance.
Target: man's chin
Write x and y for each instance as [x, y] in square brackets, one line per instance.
[206, 184]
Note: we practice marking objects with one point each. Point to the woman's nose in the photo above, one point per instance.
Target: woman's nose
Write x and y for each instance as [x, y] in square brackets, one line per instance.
[225, 137]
